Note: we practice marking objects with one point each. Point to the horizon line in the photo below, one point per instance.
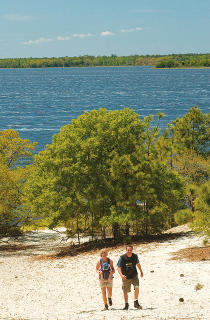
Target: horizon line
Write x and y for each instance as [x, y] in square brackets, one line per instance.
[110, 55]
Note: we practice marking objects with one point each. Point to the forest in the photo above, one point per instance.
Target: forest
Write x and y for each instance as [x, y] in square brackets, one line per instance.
[157, 61]
[109, 173]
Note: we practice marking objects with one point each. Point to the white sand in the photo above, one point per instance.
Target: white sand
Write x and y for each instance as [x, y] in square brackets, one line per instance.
[68, 288]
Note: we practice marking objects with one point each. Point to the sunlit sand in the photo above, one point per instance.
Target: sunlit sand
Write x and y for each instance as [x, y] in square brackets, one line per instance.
[67, 288]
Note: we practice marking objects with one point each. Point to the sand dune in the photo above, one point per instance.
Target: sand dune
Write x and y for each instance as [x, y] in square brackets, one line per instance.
[68, 288]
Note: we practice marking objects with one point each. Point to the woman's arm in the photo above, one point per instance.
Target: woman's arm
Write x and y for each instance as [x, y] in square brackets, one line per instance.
[98, 268]
[112, 271]
[112, 267]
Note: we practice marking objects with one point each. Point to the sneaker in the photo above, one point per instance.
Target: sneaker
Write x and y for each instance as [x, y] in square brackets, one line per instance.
[110, 301]
[137, 305]
[126, 306]
[106, 307]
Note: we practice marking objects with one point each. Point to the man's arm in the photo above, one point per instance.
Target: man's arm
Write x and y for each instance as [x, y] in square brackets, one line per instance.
[139, 267]
[120, 273]
[120, 269]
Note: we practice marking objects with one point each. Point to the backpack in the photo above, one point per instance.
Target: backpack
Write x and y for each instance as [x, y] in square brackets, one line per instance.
[105, 268]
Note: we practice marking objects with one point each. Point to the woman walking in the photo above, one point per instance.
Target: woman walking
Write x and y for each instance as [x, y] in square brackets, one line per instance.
[105, 269]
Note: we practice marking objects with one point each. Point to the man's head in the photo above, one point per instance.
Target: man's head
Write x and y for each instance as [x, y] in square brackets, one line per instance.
[129, 250]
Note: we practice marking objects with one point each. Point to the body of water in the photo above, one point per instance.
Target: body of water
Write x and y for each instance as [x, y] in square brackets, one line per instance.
[37, 102]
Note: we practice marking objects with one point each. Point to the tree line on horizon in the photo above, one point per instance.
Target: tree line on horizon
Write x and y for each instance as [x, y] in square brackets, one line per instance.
[158, 61]
[109, 172]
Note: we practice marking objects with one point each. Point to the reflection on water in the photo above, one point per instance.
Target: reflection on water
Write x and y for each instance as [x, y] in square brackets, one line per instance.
[37, 102]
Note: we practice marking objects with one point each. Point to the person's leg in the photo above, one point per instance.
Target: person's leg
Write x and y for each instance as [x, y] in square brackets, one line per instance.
[125, 296]
[136, 293]
[109, 292]
[126, 300]
[103, 290]
[126, 286]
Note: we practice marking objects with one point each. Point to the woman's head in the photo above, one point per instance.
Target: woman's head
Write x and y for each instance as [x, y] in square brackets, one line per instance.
[103, 253]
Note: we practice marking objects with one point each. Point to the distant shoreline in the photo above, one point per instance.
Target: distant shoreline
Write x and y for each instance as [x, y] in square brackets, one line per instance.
[177, 68]
[171, 61]
[123, 66]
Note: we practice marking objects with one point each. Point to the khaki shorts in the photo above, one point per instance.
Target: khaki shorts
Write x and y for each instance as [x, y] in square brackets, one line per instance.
[126, 284]
[106, 284]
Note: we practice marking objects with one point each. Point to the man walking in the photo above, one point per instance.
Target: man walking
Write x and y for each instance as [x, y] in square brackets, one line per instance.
[127, 269]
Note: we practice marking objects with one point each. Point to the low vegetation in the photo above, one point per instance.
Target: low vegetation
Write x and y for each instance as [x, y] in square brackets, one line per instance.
[198, 286]
[159, 61]
[192, 254]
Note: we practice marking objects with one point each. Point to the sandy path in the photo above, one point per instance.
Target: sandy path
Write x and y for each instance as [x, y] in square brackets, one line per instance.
[68, 288]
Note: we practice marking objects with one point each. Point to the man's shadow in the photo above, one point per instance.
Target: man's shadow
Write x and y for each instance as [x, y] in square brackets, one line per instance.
[118, 309]
[148, 308]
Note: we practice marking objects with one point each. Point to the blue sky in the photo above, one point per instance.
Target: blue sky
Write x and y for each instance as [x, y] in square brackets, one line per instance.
[47, 28]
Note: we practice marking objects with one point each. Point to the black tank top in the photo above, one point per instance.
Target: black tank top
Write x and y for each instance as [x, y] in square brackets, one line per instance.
[128, 266]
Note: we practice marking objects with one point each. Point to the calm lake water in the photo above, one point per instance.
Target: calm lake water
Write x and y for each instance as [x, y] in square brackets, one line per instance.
[37, 102]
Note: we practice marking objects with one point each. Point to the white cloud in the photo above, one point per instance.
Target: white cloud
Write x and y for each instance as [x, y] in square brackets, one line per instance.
[60, 38]
[139, 29]
[16, 17]
[38, 41]
[107, 33]
[132, 29]
[82, 35]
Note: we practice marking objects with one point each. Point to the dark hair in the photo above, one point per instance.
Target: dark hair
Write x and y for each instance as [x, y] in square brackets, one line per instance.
[129, 246]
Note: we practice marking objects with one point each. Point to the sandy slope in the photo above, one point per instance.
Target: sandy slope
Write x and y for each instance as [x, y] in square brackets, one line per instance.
[68, 288]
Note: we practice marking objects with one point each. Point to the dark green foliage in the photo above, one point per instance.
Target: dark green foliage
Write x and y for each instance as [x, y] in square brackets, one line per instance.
[192, 132]
[95, 172]
[201, 214]
[183, 61]
[109, 172]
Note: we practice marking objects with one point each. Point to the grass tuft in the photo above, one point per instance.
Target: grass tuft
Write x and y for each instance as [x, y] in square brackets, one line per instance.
[198, 286]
